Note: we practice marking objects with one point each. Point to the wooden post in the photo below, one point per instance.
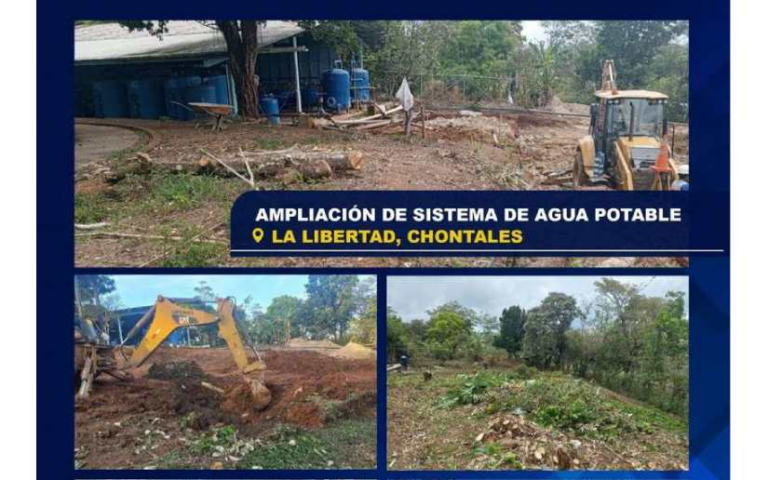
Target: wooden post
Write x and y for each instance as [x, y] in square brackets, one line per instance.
[408, 118]
[423, 123]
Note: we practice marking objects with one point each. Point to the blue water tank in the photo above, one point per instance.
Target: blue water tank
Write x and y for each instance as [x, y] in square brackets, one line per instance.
[336, 87]
[146, 98]
[361, 91]
[271, 108]
[310, 97]
[198, 94]
[110, 99]
[220, 83]
[174, 95]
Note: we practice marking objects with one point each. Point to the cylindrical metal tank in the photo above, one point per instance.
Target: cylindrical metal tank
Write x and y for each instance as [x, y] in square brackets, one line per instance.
[110, 99]
[220, 83]
[198, 94]
[336, 88]
[310, 97]
[174, 95]
[271, 108]
[361, 91]
[146, 98]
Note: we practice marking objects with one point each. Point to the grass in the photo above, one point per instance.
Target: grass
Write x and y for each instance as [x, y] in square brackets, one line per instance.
[434, 425]
[90, 208]
[344, 444]
[559, 401]
[193, 254]
[158, 194]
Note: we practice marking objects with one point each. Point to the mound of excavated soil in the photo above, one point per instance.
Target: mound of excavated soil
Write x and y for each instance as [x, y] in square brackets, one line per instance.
[482, 125]
[355, 351]
[303, 343]
[309, 389]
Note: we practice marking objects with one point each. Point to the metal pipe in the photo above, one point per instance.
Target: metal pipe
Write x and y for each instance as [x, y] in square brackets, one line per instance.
[296, 75]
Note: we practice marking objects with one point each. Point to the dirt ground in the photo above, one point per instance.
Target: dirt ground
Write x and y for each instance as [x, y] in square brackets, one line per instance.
[95, 143]
[157, 220]
[164, 418]
[425, 434]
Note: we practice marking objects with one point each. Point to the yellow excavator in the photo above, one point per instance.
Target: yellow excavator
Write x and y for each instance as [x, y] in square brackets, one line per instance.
[628, 146]
[163, 319]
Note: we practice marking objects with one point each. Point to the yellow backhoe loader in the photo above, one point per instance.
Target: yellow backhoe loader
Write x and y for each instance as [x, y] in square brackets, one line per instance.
[163, 319]
[628, 146]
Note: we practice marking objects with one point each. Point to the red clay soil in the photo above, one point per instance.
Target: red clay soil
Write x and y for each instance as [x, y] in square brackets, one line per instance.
[309, 389]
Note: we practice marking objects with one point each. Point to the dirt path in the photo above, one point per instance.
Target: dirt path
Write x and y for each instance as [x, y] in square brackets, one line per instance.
[511, 152]
[95, 143]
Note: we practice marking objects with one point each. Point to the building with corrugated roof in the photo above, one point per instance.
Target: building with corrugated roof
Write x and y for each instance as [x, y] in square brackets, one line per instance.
[107, 54]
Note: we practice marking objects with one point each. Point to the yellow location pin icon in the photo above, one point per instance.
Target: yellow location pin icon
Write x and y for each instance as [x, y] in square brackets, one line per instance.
[258, 234]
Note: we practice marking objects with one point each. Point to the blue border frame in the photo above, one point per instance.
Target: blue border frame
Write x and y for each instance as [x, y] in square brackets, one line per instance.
[709, 276]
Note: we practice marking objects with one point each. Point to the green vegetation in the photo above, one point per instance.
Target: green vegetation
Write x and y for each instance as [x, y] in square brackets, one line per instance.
[482, 60]
[193, 254]
[449, 422]
[157, 194]
[90, 208]
[623, 340]
[560, 401]
[344, 444]
[340, 307]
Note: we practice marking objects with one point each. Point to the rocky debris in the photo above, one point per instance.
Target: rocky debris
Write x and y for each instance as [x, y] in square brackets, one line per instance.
[533, 446]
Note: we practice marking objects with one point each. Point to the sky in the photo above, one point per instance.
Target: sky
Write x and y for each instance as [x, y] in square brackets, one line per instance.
[533, 30]
[142, 290]
[411, 297]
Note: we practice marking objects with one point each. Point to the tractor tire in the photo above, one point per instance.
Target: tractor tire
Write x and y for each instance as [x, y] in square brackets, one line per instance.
[580, 177]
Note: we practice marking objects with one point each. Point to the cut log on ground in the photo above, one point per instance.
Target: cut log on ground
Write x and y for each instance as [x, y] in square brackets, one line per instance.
[262, 164]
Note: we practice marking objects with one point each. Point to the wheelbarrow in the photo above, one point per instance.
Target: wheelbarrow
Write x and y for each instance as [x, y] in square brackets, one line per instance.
[218, 111]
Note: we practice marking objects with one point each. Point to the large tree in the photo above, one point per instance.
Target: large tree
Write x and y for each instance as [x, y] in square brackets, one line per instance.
[544, 343]
[331, 304]
[632, 45]
[242, 39]
[447, 330]
[512, 330]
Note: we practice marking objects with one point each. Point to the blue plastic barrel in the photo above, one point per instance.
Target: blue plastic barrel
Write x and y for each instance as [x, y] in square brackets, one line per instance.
[174, 95]
[337, 90]
[271, 108]
[146, 98]
[198, 94]
[219, 82]
[110, 99]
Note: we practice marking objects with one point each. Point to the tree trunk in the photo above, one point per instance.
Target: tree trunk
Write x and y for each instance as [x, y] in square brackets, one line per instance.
[265, 164]
[242, 48]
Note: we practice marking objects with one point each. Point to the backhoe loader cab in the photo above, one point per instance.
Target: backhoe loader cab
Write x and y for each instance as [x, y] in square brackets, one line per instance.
[627, 133]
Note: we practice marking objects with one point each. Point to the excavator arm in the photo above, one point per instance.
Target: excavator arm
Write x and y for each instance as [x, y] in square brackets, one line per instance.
[231, 335]
[165, 317]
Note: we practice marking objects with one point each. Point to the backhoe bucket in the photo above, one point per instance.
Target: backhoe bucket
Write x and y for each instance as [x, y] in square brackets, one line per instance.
[261, 394]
